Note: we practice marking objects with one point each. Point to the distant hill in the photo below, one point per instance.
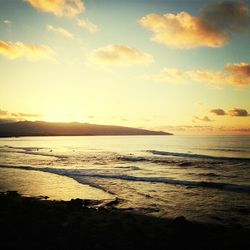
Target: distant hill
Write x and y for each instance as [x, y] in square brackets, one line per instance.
[39, 128]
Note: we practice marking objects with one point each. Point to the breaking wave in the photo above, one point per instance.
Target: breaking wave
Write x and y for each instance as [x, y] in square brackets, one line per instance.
[190, 155]
[75, 174]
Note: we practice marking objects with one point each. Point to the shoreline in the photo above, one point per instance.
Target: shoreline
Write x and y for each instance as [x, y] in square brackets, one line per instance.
[83, 135]
[81, 224]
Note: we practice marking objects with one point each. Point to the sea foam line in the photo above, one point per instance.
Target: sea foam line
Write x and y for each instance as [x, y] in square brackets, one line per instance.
[75, 174]
[189, 155]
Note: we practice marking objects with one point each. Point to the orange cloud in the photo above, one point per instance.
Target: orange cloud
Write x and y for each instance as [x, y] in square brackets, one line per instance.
[68, 8]
[231, 112]
[213, 28]
[60, 31]
[234, 74]
[183, 31]
[238, 112]
[218, 111]
[240, 69]
[30, 52]
[120, 55]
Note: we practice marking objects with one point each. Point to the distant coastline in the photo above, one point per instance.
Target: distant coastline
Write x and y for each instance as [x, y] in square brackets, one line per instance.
[40, 128]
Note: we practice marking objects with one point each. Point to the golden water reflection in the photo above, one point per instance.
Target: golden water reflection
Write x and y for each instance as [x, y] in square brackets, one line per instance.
[35, 183]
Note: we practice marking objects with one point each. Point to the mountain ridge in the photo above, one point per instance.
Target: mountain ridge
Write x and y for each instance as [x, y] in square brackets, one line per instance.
[42, 128]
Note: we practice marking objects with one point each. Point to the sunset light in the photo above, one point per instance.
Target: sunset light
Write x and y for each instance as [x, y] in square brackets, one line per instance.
[149, 64]
[125, 124]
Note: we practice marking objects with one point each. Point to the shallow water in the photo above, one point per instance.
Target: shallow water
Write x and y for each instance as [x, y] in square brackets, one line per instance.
[205, 178]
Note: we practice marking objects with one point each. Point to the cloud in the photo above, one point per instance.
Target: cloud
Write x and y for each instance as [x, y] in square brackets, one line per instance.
[170, 75]
[218, 111]
[86, 24]
[182, 31]
[239, 69]
[31, 52]
[209, 76]
[232, 112]
[227, 16]
[187, 128]
[91, 116]
[68, 8]
[196, 129]
[6, 116]
[233, 74]
[120, 55]
[6, 21]
[203, 119]
[238, 112]
[3, 112]
[213, 28]
[246, 130]
[60, 31]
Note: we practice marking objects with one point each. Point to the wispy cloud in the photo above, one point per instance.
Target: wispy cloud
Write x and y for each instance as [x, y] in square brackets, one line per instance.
[68, 8]
[233, 74]
[6, 21]
[232, 112]
[86, 24]
[213, 28]
[31, 52]
[196, 129]
[203, 119]
[187, 128]
[6, 116]
[120, 55]
[169, 75]
[60, 31]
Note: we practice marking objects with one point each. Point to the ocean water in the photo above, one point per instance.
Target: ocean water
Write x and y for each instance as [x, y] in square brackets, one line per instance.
[204, 178]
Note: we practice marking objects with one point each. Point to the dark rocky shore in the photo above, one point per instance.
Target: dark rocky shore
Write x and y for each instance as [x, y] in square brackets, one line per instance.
[32, 223]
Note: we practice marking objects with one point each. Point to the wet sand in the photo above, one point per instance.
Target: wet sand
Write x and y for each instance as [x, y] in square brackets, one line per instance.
[53, 186]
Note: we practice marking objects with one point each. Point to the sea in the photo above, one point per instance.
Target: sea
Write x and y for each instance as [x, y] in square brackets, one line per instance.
[204, 178]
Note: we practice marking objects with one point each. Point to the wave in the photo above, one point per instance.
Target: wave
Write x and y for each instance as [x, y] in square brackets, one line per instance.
[217, 185]
[132, 158]
[179, 162]
[31, 151]
[75, 174]
[151, 160]
[226, 149]
[24, 148]
[189, 155]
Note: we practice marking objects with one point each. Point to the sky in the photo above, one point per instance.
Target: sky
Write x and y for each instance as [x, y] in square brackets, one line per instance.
[177, 66]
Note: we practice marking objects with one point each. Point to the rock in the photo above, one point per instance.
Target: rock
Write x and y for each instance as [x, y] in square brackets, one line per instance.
[76, 202]
[180, 220]
[112, 203]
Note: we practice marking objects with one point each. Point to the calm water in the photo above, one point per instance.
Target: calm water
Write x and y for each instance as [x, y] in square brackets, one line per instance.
[205, 178]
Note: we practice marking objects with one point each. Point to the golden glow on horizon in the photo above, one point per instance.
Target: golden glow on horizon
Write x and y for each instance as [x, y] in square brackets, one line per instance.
[61, 117]
[64, 61]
